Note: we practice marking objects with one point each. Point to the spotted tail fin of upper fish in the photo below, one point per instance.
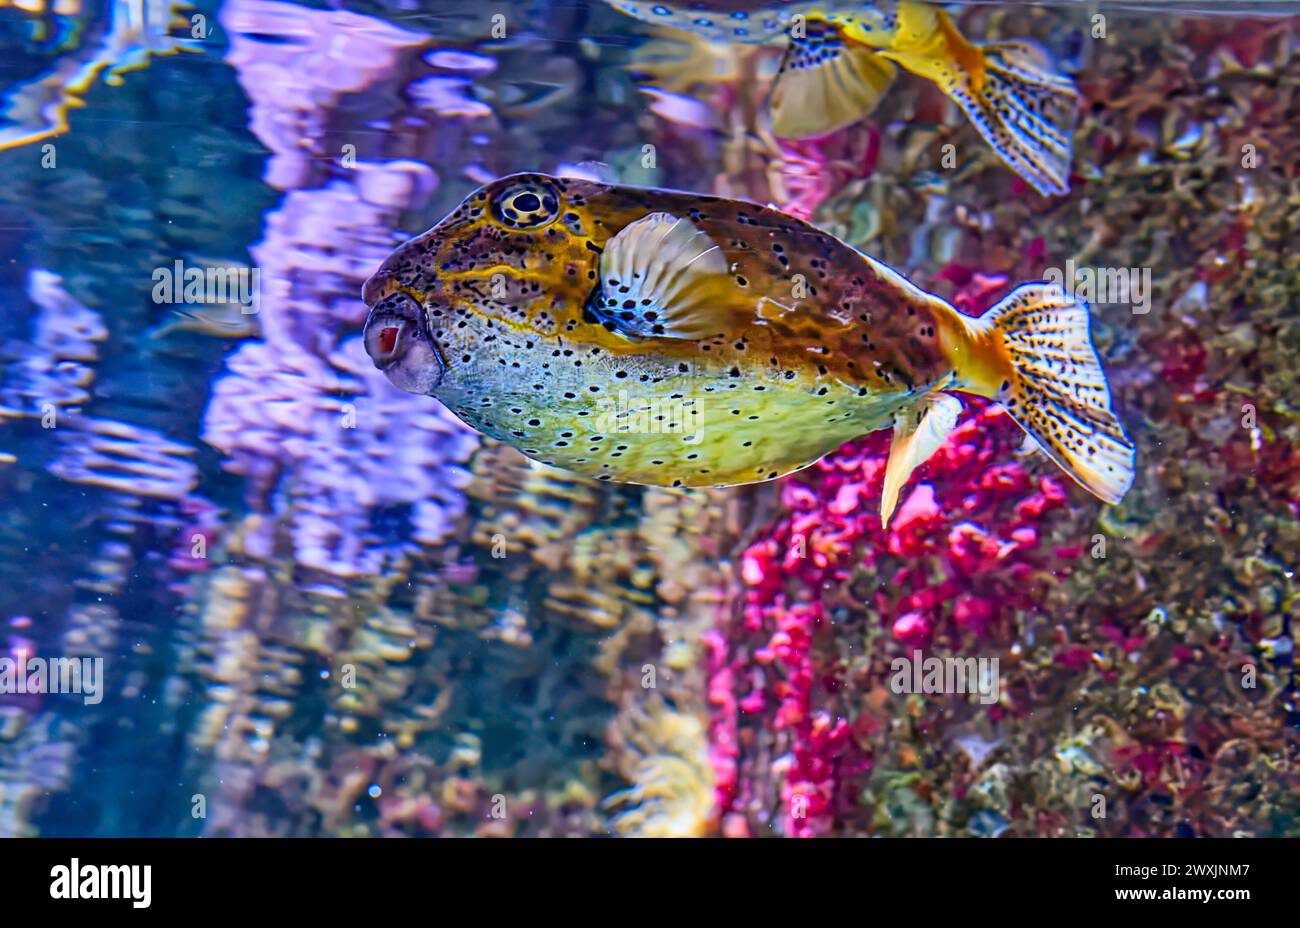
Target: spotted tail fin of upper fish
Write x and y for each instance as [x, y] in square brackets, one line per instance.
[1037, 343]
[1009, 90]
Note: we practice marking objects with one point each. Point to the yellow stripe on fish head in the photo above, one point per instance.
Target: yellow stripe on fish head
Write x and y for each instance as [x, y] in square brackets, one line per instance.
[515, 251]
[512, 268]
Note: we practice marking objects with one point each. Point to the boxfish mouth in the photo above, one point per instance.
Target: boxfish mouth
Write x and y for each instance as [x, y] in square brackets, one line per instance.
[399, 344]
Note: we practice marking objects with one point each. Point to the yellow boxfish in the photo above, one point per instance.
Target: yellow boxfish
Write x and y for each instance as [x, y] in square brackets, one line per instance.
[840, 60]
[671, 339]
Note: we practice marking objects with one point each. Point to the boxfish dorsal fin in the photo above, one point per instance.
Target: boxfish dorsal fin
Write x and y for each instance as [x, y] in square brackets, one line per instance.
[919, 430]
[661, 277]
[826, 82]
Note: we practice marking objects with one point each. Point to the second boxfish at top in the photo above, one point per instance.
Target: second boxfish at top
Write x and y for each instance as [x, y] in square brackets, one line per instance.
[840, 60]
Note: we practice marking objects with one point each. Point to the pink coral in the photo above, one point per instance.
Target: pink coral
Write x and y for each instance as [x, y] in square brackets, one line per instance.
[813, 169]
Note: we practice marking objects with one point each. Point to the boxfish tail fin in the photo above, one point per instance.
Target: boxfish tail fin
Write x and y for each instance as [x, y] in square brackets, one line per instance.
[1022, 107]
[1033, 353]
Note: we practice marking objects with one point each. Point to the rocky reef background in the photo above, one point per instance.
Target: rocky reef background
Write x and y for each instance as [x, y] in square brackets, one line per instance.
[327, 608]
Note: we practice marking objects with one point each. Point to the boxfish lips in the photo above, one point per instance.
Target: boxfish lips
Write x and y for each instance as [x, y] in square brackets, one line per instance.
[398, 341]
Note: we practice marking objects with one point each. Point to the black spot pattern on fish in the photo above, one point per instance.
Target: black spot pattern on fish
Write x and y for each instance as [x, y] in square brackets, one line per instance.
[539, 361]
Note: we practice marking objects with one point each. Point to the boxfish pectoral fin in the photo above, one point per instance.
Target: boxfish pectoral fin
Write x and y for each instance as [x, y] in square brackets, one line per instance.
[826, 82]
[661, 277]
[919, 430]
[1008, 90]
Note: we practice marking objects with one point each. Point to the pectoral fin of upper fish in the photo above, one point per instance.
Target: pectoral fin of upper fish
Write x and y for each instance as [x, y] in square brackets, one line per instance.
[826, 82]
[661, 277]
[919, 430]
[1009, 91]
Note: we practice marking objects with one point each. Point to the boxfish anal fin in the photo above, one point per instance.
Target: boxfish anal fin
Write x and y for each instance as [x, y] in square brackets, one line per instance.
[919, 430]
[661, 277]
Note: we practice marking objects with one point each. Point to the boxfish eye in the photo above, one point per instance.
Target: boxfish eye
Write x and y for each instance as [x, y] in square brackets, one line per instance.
[526, 206]
[384, 340]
